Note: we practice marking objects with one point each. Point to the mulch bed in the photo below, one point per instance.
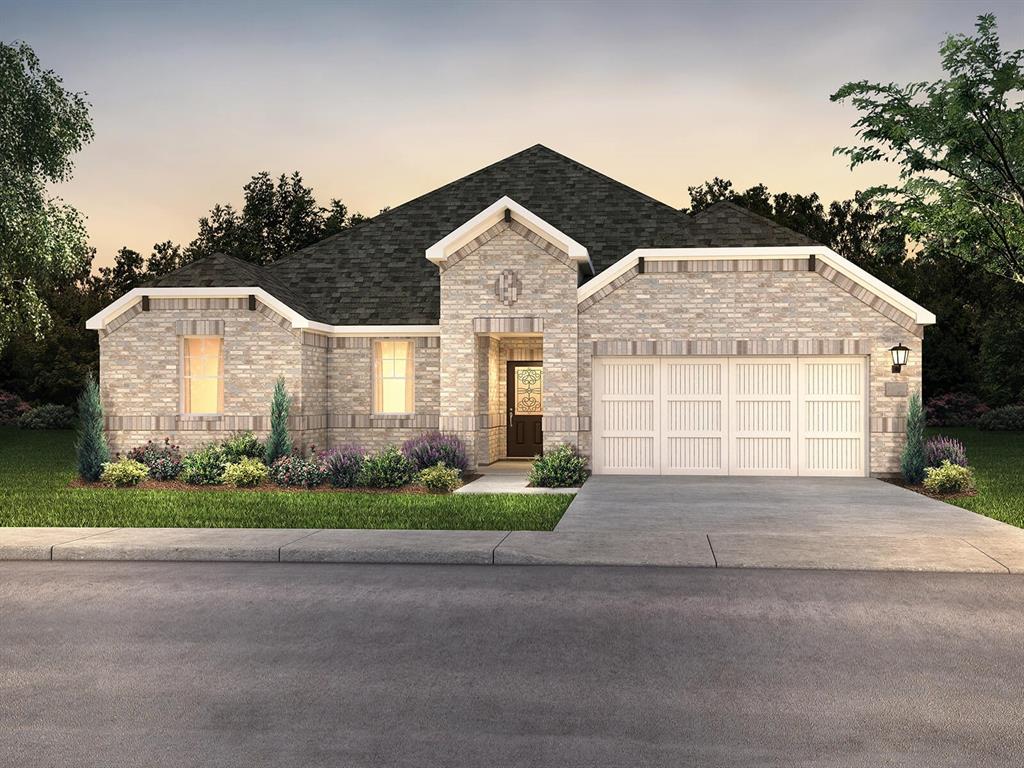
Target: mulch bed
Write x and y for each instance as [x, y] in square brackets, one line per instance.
[177, 485]
[930, 494]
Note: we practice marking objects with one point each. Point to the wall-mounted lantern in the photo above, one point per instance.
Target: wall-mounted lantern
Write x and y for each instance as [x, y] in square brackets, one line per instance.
[899, 354]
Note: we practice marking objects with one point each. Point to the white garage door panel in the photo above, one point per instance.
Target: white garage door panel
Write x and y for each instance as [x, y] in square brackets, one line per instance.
[763, 408]
[693, 426]
[833, 417]
[741, 416]
[625, 416]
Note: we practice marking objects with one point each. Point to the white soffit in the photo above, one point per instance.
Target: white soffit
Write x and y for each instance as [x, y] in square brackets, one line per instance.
[100, 320]
[487, 218]
[845, 267]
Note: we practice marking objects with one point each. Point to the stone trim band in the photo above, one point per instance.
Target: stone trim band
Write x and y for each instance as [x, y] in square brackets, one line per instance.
[724, 347]
[199, 327]
[889, 424]
[508, 325]
[261, 423]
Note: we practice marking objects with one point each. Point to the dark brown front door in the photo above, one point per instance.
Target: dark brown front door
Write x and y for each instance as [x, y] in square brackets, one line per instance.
[525, 400]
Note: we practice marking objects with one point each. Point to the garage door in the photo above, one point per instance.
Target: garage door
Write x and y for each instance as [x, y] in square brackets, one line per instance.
[739, 416]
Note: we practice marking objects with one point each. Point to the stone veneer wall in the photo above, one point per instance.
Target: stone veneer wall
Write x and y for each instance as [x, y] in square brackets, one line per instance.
[782, 311]
[473, 307]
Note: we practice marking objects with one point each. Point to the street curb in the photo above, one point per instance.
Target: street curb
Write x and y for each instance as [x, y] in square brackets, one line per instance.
[953, 554]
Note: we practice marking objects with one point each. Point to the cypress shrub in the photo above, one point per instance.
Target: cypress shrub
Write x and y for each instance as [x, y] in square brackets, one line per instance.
[912, 459]
[279, 444]
[93, 451]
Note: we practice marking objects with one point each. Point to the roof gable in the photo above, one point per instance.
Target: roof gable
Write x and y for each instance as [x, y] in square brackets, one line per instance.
[505, 209]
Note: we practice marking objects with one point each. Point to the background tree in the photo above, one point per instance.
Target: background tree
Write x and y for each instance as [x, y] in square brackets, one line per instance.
[959, 145]
[978, 340]
[42, 239]
[277, 218]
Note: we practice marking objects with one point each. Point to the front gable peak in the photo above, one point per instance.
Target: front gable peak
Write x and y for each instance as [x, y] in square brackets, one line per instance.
[505, 208]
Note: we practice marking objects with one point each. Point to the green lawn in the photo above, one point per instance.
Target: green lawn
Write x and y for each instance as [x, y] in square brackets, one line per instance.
[36, 467]
[998, 461]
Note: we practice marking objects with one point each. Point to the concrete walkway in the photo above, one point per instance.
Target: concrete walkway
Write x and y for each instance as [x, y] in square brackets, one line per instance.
[507, 476]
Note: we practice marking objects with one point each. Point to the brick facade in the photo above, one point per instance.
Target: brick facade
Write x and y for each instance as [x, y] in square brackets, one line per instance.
[476, 320]
[508, 295]
[140, 372]
[330, 379]
[775, 311]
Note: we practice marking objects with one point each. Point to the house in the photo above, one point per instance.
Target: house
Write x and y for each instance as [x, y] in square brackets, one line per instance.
[531, 303]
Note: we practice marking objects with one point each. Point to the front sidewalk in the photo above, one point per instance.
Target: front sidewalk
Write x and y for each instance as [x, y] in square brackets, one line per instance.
[964, 554]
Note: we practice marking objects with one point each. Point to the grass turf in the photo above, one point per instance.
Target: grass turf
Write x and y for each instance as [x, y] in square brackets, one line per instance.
[36, 468]
[998, 462]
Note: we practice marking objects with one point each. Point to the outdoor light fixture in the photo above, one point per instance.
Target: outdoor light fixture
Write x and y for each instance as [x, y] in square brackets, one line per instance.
[899, 354]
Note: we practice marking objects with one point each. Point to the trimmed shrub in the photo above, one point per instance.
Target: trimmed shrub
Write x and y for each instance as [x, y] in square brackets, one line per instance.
[51, 416]
[297, 472]
[434, 448]
[561, 467]
[278, 443]
[164, 461]
[1008, 418]
[941, 448]
[11, 408]
[949, 478]
[204, 466]
[244, 445]
[440, 478]
[954, 409]
[389, 468]
[124, 472]
[245, 473]
[91, 449]
[343, 465]
[912, 457]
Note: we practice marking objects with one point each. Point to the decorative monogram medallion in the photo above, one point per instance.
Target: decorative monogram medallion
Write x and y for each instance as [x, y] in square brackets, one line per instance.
[508, 287]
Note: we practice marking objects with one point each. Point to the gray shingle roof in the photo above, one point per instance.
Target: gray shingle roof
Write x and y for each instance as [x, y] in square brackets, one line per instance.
[377, 274]
[223, 270]
[727, 225]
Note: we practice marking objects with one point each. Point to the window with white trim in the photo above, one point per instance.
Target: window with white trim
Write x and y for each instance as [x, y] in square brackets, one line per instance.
[202, 375]
[393, 376]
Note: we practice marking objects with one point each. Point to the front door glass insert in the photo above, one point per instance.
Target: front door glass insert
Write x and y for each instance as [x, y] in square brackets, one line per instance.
[529, 390]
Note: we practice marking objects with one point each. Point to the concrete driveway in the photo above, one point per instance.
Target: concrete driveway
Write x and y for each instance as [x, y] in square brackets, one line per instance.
[856, 523]
[780, 505]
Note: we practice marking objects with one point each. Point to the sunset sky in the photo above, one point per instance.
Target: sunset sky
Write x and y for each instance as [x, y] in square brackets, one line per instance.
[377, 103]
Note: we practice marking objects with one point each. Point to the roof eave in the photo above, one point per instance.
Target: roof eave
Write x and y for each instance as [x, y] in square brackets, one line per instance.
[101, 319]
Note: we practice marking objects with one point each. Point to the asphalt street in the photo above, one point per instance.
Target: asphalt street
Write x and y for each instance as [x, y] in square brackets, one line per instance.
[176, 664]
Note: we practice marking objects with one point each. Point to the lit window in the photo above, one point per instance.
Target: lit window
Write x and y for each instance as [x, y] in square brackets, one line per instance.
[392, 377]
[202, 375]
